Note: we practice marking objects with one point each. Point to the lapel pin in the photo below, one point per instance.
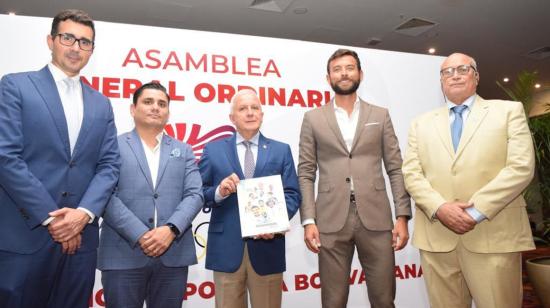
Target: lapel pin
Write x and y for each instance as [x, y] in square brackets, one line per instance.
[175, 152]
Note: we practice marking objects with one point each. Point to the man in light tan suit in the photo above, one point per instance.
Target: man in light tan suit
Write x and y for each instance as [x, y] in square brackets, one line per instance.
[347, 140]
[470, 222]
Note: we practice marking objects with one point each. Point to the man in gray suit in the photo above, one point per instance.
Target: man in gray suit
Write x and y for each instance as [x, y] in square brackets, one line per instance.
[146, 243]
[348, 140]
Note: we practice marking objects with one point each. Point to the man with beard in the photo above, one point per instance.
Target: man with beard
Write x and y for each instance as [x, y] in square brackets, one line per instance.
[347, 140]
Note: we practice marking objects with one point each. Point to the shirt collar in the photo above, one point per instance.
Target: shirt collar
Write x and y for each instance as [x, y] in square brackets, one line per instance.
[59, 75]
[157, 137]
[356, 105]
[468, 102]
[254, 140]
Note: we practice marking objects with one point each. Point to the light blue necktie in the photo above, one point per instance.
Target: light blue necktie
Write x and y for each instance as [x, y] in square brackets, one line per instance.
[456, 127]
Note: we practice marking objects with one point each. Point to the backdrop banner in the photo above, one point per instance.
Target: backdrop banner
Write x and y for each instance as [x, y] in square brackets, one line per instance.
[202, 70]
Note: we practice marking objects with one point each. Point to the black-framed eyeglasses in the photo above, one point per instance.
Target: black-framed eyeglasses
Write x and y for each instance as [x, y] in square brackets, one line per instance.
[68, 39]
[461, 70]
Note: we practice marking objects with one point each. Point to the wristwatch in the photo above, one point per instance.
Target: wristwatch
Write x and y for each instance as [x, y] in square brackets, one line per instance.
[174, 229]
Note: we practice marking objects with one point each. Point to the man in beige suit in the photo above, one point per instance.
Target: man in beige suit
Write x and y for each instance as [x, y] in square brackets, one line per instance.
[466, 168]
[347, 140]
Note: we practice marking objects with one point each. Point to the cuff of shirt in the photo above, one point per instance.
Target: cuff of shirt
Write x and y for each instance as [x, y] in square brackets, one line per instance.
[309, 221]
[434, 216]
[92, 216]
[476, 215]
[217, 196]
[47, 221]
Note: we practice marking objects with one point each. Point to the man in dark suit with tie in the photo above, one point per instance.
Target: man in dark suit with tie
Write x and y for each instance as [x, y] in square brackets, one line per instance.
[239, 264]
[146, 242]
[58, 166]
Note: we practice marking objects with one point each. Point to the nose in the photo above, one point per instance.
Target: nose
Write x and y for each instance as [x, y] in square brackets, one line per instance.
[75, 46]
[456, 75]
[155, 106]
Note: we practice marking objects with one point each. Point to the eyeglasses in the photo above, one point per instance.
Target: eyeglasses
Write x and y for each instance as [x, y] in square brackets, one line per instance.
[461, 70]
[68, 39]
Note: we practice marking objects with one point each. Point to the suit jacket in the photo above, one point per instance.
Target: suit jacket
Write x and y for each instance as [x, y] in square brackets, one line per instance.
[322, 147]
[494, 162]
[38, 174]
[225, 243]
[177, 196]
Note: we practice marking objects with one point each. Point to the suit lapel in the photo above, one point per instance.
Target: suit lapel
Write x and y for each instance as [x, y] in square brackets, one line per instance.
[134, 142]
[364, 113]
[263, 155]
[443, 128]
[47, 88]
[477, 114]
[89, 110]
[328, 111]
[165, 152]
[231, 151]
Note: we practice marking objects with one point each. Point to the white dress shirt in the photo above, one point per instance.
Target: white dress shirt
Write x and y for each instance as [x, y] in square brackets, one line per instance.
[152, 155]
[241, 149]
[73, 108]
[73, 105]
[475, 214]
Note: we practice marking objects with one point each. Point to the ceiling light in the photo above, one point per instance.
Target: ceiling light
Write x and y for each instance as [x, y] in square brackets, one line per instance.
[431, 50]
[414, 26]
[537, 85]
[373, 41]
[11, 13]
[505, 79]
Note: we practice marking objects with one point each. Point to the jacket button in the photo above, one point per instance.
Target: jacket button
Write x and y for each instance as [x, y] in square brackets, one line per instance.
[155, 195]
[350, 156]
[64, 194]
[151, 220]
[71, 164]
[347, 180]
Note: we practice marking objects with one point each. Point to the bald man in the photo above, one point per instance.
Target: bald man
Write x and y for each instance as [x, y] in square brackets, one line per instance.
[466, 166]
[245, 265]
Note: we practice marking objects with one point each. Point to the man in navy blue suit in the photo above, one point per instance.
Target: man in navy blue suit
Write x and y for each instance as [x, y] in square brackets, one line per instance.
[239, 264]
[146, 242]
[58, 166]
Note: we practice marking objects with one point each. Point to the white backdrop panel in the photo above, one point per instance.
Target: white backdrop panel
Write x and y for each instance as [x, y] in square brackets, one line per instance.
[201, 67]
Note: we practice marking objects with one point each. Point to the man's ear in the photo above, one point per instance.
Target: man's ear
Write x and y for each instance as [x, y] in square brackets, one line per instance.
[49, 40]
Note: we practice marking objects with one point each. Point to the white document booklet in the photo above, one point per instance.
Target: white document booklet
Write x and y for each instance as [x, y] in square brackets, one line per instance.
[262, 206]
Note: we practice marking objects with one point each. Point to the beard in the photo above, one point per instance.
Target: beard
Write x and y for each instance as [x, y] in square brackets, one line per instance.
[338, 90]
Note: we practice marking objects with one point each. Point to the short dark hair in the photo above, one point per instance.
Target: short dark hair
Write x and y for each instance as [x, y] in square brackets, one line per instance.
[343, 52]
[151, 85]
[77, 16]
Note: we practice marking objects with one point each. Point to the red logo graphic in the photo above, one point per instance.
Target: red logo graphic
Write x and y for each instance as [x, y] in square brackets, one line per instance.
[190, 134]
